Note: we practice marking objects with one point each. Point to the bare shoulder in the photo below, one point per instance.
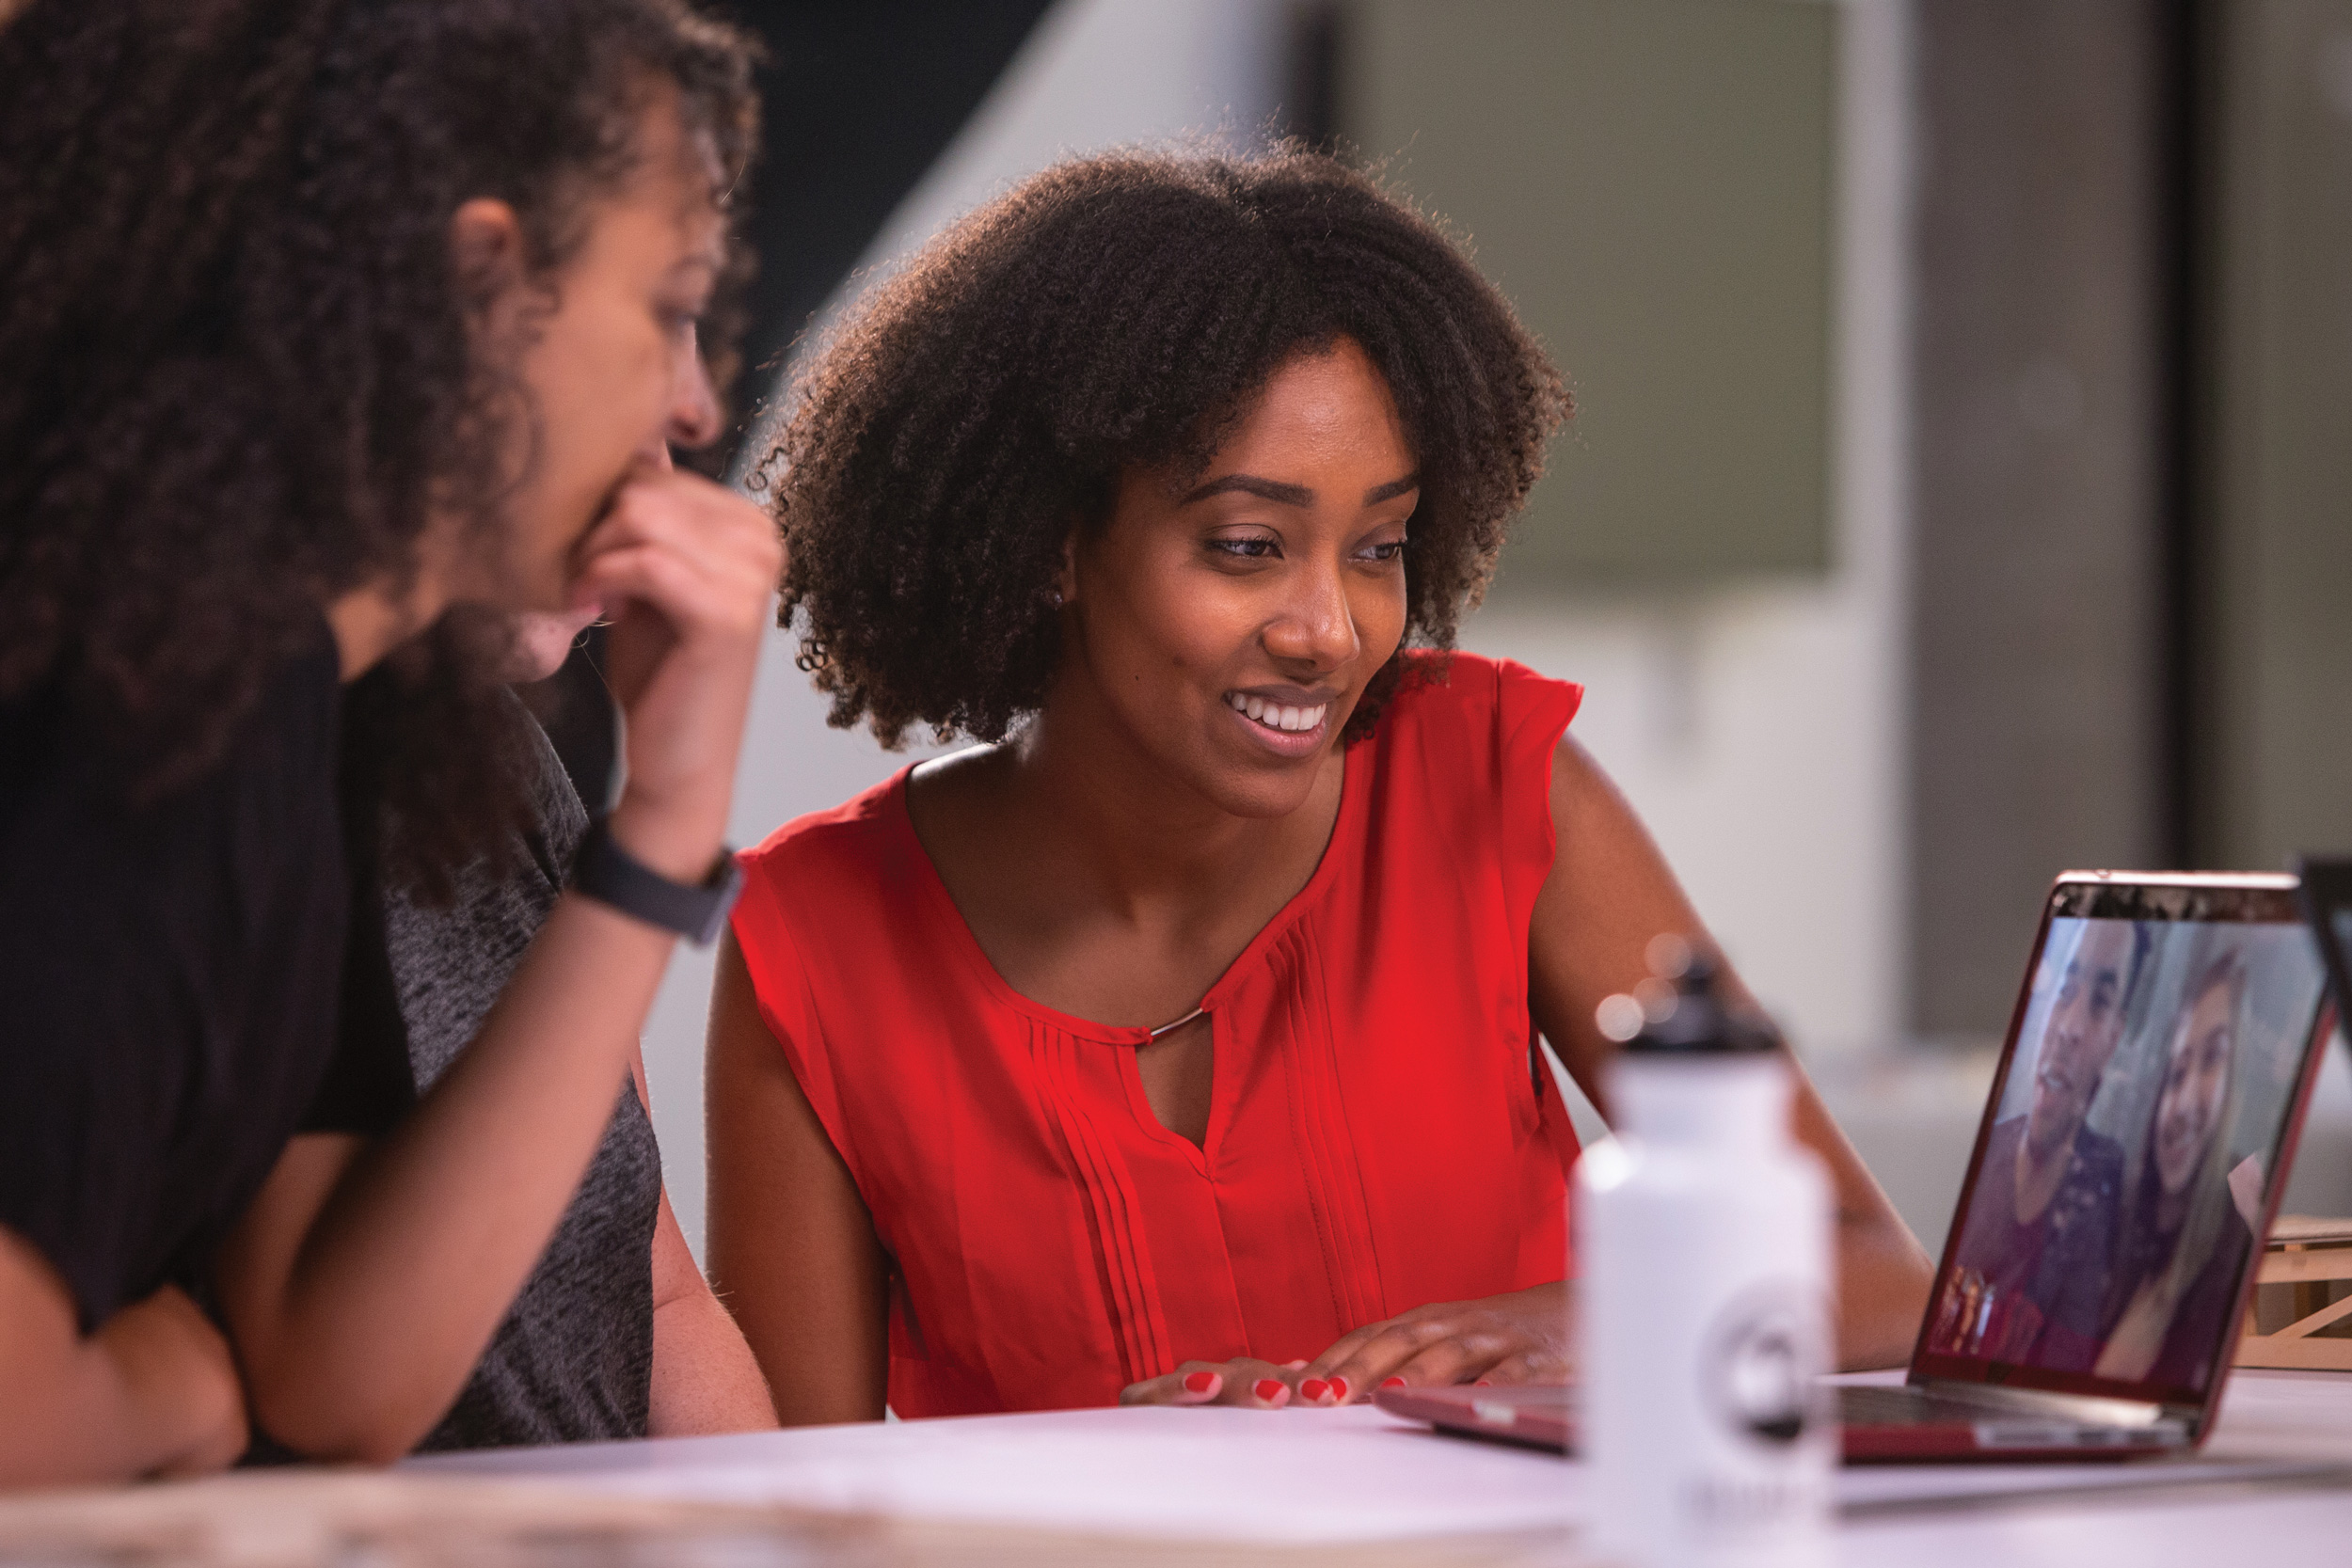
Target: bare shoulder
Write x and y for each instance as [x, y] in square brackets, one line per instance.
[1606, 869]
[944, 794]
[1573, 766]
[1584, 798]
[976, 767]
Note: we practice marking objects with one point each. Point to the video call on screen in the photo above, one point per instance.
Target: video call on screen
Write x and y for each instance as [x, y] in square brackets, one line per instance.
[2131, 1154]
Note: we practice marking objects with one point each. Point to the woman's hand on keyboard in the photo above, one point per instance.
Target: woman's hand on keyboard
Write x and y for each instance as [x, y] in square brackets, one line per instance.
[1246, 1382]
[1524, 1337]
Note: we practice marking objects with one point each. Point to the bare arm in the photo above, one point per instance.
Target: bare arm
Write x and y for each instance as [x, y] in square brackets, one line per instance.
[703, 1377]
[793, 1251]
[1609, 893]
[364, 1282]
[367, 1278]
[151, 1392]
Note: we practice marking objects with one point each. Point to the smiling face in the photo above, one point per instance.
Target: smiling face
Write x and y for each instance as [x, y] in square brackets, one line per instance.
[2086, 1025]
[1228, 621]
[2196, 1084]
[610, 360]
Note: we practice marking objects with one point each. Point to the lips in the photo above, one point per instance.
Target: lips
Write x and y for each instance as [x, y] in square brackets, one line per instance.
[1286, 718]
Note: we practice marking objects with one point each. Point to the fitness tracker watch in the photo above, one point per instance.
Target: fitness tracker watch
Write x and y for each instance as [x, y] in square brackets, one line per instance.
[611, 874]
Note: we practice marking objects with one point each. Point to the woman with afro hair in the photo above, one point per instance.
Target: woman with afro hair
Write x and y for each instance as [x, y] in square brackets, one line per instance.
[1176, 1042]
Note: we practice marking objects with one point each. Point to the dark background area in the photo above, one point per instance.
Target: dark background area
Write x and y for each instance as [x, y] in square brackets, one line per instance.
[2132, 529]
[858, 101]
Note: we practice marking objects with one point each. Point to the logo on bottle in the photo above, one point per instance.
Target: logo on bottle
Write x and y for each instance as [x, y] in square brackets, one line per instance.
[1762, 1362]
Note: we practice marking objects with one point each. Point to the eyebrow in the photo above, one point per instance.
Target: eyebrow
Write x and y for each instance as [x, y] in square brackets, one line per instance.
[1294, 495]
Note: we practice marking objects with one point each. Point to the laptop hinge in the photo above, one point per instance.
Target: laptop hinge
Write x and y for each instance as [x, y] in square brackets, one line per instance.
[2085, 1409]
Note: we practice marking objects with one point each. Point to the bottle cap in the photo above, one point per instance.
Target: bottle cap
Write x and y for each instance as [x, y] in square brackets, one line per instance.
[1681, 1010]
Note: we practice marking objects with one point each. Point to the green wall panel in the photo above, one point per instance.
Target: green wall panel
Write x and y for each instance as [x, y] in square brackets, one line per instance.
[1651, 181]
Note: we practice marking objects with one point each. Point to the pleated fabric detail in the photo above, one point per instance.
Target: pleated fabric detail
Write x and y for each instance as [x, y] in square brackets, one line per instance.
[1114, 1215]
[1327, 1148]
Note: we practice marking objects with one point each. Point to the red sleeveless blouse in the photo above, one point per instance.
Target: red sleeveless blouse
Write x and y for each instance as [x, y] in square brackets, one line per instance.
[1378, 1136]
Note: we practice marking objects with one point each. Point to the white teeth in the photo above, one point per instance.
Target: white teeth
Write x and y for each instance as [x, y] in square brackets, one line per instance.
[1274, 716]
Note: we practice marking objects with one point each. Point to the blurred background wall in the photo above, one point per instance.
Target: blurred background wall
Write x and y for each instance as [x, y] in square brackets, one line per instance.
[1956, 480]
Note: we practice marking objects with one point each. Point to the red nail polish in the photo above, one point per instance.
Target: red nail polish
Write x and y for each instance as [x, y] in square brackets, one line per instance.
[1339, 1389]
[1314, 1388]
[1393, 1383]
[1199, 1382]
[1267, 1388]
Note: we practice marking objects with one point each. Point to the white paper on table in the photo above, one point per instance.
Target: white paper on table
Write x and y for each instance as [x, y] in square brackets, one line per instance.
[1284, 1477]
[1229, 1475]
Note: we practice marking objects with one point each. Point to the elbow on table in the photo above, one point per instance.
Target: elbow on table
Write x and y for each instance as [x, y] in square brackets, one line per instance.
[332, 1419]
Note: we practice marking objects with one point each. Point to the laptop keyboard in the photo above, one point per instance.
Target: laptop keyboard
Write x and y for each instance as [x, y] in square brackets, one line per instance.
[1912, 1407]
[1995, 1427]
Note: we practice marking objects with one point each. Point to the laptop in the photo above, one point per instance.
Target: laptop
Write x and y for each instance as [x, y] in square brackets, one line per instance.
[2129, 1164]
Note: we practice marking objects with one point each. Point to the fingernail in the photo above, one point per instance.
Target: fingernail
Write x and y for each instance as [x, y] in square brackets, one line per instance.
[1314, 1388]
[1339, 1389]
[1393, 1383]
[1199, 1382]
[1266, 1387]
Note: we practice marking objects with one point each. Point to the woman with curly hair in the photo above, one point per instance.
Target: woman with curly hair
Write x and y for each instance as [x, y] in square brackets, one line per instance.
[338, 336]
[2181, 1251]
[1177, 1043]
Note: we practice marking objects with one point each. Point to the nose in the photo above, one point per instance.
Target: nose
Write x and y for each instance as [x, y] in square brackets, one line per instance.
[694, 403]
[1316, 626]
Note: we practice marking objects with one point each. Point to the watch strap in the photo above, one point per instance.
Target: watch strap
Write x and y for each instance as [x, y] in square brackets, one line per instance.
[611, 874]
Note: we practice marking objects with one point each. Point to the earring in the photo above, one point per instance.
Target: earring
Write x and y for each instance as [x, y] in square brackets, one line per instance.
[1057, 598]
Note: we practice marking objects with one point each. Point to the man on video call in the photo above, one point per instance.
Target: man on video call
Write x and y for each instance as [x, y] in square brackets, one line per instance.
[2043, 1223]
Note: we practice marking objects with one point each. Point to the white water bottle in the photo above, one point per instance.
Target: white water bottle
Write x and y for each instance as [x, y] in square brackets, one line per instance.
[1703, 1239]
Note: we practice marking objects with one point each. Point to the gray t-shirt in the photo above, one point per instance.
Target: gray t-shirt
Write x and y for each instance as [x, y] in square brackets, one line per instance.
[573, 1362]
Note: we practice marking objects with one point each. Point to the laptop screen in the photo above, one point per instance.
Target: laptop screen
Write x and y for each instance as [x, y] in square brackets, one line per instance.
[2122, 1177]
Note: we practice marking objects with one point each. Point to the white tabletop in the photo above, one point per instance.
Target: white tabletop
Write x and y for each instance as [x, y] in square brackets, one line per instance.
[2278, 1474]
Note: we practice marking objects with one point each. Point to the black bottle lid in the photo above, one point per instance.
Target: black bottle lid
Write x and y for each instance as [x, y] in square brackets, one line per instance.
[1681, 1010]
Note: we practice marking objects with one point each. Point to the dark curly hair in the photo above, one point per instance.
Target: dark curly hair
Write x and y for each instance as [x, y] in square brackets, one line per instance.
[238, 374]
[1112, 312]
